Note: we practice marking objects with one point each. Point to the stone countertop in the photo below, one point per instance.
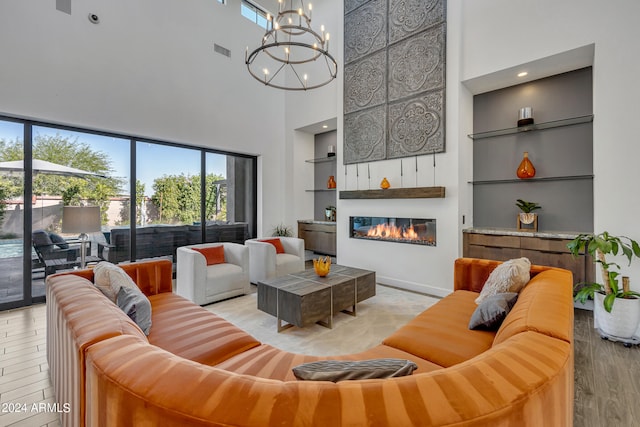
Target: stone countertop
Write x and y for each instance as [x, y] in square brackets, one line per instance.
[313, 221]
[520, 233]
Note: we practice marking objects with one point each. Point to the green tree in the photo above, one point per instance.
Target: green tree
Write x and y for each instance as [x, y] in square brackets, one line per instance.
[68, 152]
[177, 199]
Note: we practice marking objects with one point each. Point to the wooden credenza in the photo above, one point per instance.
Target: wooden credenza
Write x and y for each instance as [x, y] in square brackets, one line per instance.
[541, 248]
[318, 236]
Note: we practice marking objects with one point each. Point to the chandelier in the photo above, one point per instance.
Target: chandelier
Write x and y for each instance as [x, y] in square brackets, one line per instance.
[290, 43]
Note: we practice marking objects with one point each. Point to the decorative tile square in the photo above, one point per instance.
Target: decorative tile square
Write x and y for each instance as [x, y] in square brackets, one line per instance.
[408, 17]
[350, 5]
[416, 126]
[417, 64]
[365, 30]
[364, 135]
[365, 82]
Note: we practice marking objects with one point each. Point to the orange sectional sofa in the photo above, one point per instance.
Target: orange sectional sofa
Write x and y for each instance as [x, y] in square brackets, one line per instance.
[196, 369]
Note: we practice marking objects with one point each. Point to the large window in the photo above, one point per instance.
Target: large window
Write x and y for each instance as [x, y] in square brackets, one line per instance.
[148, 208]
[254, 13]
[12, 209]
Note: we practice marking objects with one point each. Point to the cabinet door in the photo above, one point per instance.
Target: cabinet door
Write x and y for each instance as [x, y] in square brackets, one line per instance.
[576, 265]
[324, 242]
[492, 240]
[490, 252]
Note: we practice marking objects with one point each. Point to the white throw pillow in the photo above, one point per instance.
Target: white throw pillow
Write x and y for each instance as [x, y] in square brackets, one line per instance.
[510, 276]
[109, 278]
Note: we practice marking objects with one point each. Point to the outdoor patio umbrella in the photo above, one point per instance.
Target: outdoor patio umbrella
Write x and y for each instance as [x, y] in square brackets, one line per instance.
[43, 166]
[46, 167]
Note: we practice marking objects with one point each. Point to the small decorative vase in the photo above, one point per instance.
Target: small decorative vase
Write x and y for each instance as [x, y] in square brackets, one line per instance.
[331, 183]
[526, 169]
[623, 320]
[384, 184]
[322, 266]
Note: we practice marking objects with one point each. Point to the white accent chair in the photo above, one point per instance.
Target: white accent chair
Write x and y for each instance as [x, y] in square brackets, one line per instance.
[265, 264]
[204, 284]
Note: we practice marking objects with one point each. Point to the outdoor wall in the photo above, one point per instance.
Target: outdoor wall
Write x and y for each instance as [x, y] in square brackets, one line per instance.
[147, 69]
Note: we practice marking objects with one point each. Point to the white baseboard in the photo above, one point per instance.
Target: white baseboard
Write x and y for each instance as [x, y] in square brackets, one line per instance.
[412, 286]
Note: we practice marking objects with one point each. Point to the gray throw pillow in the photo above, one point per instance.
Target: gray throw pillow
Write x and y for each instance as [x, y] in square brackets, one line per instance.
[58, 240]
[339, 370]
[492, 311]
[137, 306]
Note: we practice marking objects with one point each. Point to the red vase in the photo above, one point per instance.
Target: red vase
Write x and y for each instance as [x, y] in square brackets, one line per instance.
[526, 169]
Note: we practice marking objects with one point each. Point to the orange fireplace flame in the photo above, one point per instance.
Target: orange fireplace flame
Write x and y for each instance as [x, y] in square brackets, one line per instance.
[386, 231]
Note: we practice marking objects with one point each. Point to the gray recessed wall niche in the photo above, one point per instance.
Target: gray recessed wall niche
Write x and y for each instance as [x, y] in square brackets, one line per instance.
[562, 156]
[394, 86]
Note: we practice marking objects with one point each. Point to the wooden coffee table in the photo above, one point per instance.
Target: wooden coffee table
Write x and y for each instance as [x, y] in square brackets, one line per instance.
[302, 299]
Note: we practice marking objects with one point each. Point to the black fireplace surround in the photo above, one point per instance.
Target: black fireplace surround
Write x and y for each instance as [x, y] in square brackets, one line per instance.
[417, 231]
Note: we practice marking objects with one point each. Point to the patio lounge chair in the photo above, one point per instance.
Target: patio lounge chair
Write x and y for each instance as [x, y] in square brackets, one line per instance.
[54, 256]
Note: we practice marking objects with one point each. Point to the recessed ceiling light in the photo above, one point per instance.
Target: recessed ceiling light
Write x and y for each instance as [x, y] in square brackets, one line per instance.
[522, 74]
[324, 126]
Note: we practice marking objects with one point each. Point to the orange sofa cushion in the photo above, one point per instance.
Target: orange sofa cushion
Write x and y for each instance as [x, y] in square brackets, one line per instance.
[441, 334]
[276, 243]
[545, 305]
[213, 254]
[190, 331]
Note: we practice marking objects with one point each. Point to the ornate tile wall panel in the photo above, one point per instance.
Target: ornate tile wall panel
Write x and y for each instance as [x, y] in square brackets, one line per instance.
[364, 135]
[416, 126]
[349, 5]
[365, 82]
[365, 30]
[417, 64]
[408, 17]
[394, 87]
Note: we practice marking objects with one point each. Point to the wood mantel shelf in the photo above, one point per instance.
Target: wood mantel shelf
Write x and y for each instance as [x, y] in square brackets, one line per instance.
[395, 193]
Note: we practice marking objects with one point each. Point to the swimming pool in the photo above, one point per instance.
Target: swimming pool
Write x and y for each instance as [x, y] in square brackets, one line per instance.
[12, 248]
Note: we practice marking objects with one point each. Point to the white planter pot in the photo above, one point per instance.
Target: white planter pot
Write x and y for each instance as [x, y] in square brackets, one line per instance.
[623, 320]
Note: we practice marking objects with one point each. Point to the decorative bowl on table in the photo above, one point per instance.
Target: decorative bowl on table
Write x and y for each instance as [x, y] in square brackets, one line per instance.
[322, 266]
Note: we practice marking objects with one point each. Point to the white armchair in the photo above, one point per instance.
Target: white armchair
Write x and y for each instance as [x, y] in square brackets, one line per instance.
[204, 284]
[265, 264]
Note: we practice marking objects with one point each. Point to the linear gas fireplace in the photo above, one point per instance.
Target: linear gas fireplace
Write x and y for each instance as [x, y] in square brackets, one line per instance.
[417, 231]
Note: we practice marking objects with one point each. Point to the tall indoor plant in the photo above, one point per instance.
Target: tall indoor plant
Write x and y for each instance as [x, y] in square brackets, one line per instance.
[621, 305]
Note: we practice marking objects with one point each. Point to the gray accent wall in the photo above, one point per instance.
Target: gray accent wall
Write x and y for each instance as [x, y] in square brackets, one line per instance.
[321, 173]
[562, 156]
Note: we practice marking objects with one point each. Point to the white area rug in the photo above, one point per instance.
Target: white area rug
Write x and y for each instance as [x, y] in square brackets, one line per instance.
[378, 317]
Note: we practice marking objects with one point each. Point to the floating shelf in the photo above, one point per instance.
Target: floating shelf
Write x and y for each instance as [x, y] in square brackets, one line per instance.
[320, 190]
[550, 178]
[395, 193]
[322, 159]
[536, 126]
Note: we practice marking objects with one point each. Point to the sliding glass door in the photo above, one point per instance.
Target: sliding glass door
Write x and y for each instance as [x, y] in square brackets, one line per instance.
[12, 215]
[153, 197]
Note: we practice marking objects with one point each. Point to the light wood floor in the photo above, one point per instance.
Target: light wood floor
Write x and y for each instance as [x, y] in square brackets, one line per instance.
[606, 393]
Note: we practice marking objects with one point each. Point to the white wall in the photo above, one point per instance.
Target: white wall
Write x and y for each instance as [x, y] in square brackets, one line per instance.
[147, 69]
[427, 269]
[500, 34]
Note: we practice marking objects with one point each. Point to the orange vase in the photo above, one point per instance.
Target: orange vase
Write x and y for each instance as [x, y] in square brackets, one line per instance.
[385, 183]
[526, 169]
[331, 183]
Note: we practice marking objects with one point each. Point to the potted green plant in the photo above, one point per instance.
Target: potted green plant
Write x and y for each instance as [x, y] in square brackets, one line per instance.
[282, 230]
[527, 216]
[620, 319]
